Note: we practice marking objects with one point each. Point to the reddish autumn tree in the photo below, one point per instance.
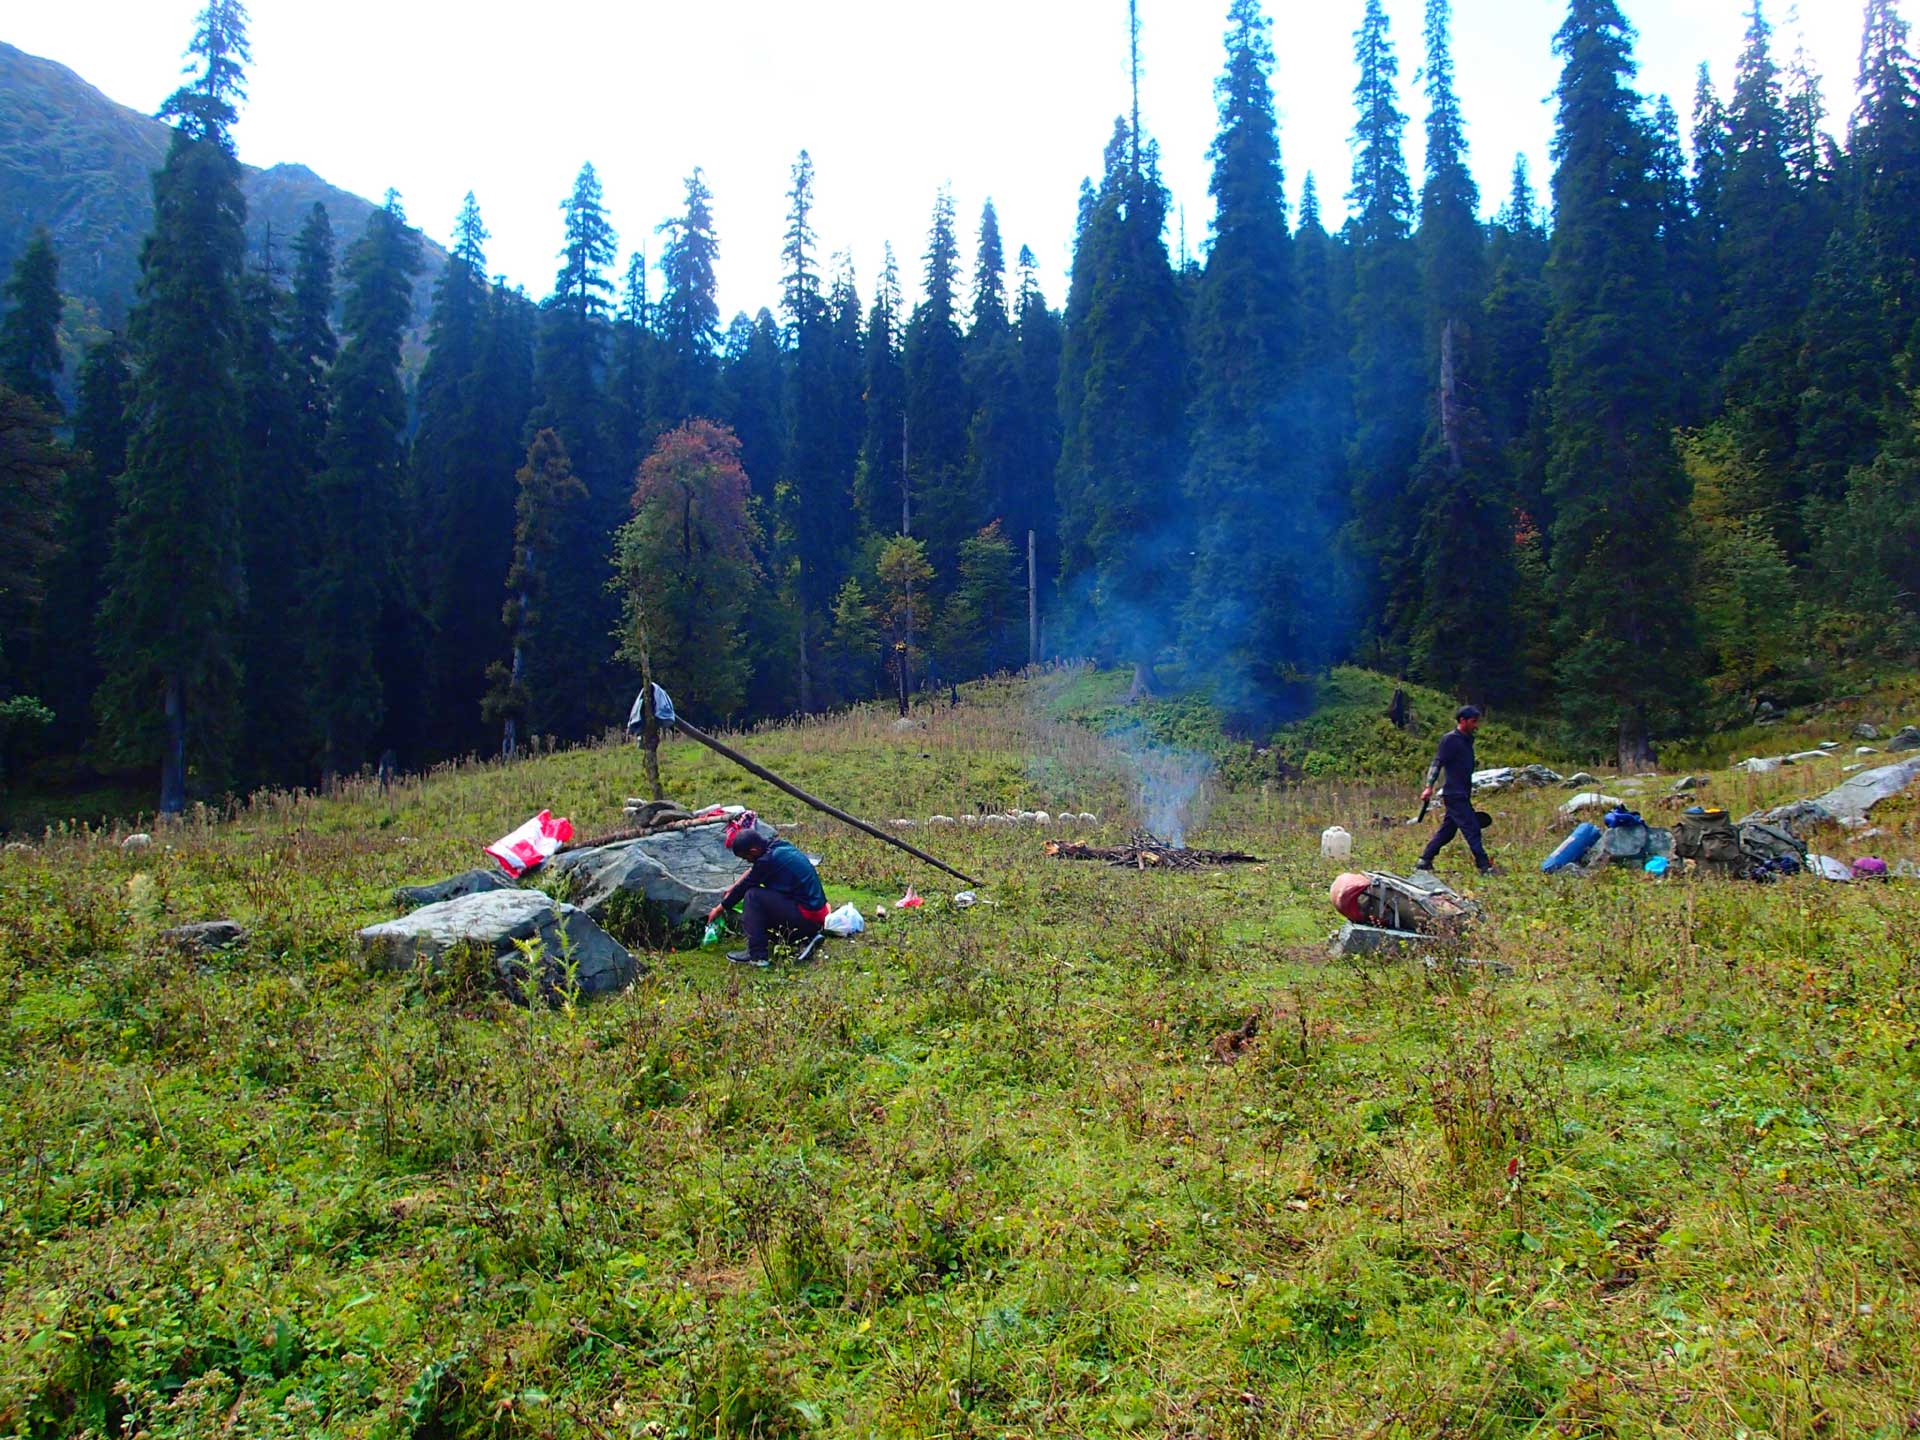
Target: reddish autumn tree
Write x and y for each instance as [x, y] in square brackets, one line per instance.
[686, 564]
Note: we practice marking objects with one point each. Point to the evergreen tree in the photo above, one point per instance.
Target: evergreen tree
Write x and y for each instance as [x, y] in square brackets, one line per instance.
[941, 495]
[1388, 369]
[817, 472]
[275, 516]
[1460, 621]
[905, 576]
[1513, 395]
[310, 343]
[632, 364]
[168, 623]
[1701, 281]
[688, 569]
[1323, 271]
[1884, 153]
[460, 479]
[34, 470]
[1621, 592]
[997, 427]
[363, 657]
[30, 330]
[1030, 505]
[981, 626]
[879, 492]
[69, 671]
[1123, 400]
[1259, 607]
[683, 383]
[520, 691]
[752, 391]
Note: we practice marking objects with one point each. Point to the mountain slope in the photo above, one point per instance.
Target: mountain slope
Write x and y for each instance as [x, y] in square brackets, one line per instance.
[81, 164]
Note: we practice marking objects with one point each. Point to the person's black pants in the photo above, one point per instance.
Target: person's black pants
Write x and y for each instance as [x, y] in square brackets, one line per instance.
[767, 915]
[1460, 821]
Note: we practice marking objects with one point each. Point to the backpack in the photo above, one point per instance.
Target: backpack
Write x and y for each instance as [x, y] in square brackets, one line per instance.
[1421, 903]
[1710, 840]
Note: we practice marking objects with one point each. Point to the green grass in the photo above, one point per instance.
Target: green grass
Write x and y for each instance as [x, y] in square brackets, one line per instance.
[975, 1174]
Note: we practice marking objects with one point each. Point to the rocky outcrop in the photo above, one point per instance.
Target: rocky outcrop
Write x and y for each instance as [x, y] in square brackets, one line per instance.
[471, 882]
[682, 873]
[572, 946]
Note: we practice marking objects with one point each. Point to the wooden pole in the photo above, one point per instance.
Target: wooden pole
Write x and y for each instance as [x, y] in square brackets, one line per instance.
[1033, 601]
[761, 772]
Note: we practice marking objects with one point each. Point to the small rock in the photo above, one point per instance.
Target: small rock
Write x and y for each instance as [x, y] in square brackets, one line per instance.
[206, 935]
[1589, 800]
[1802, 757]
[1574, 782]
[1829, 745]
[1757, 766]
[1865, 750]
[1689, 782]
[1908, 738]
[137, 842]
[1864, 731]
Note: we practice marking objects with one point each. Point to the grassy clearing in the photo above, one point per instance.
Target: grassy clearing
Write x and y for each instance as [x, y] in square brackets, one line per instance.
[979, 1173]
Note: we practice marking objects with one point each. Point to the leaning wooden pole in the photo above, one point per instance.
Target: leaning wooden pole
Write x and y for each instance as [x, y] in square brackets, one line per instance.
[761, 771]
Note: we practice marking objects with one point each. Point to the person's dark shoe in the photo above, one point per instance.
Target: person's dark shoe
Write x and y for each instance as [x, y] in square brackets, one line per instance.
[1491, 871]
[1423, 868]
[809, 948]
[743, 957]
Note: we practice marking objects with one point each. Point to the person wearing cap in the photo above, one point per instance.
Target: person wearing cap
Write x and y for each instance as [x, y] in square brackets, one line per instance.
[1454, 761]
[780, 895]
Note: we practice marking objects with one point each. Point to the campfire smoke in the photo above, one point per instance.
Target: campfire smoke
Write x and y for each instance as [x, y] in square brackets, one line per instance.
[1172, 789]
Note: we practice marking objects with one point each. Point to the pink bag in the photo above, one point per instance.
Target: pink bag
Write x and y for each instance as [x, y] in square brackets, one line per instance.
[532, 845]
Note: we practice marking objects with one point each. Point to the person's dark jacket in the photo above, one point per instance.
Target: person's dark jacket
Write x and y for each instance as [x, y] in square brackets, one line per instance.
[1454, 760]
[785, 871]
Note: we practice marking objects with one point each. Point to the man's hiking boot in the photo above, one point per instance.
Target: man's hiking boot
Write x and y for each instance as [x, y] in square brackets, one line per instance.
[1491, 872]
[1423, 868]
[742, 957]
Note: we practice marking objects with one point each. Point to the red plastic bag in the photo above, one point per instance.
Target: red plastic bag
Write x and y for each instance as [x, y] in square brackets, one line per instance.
[532, 845]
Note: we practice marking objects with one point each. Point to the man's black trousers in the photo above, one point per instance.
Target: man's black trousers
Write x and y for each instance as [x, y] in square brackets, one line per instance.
[1460, 821]
[766, 915]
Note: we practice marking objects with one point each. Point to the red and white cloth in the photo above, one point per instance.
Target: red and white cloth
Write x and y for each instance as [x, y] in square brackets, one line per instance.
[532, 845]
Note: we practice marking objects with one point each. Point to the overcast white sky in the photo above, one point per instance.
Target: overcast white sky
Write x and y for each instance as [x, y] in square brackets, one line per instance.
[1011, 99]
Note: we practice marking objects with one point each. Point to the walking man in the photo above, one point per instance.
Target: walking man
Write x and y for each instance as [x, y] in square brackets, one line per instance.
[1454, 760]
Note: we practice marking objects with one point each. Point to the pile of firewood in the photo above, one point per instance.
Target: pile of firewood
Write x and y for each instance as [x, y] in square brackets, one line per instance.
[1149, 852]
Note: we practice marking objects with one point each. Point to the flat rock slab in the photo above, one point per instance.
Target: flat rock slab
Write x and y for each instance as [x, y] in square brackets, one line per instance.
[497, 918]
[1371, 940]
[471, 882]
[1852, 800]
[681, 872]
[206, 935]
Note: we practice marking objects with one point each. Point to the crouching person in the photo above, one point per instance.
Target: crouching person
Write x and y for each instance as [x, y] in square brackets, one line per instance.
[780, 895]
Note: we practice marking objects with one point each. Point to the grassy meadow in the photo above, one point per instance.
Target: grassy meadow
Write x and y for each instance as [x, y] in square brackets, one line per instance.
[979, 1172]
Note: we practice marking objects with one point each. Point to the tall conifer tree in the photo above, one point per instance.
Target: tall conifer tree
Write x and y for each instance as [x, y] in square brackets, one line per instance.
[1260, 606]
[168, 622]
[1621, 593]
[1459, 623]
[1123, 398]
[880, 489]
[1388, 367]
[30, 359]
[682, 384]
[938, 482]
[360, 686]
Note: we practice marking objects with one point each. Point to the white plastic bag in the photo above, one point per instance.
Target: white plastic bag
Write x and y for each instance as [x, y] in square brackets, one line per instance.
[532, 845]
[847, 920]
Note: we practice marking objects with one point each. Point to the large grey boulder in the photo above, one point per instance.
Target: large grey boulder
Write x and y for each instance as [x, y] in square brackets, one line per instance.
[1907, 738]
[471, 882]
[1852, 800]
[495, 919]
[683, 873]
